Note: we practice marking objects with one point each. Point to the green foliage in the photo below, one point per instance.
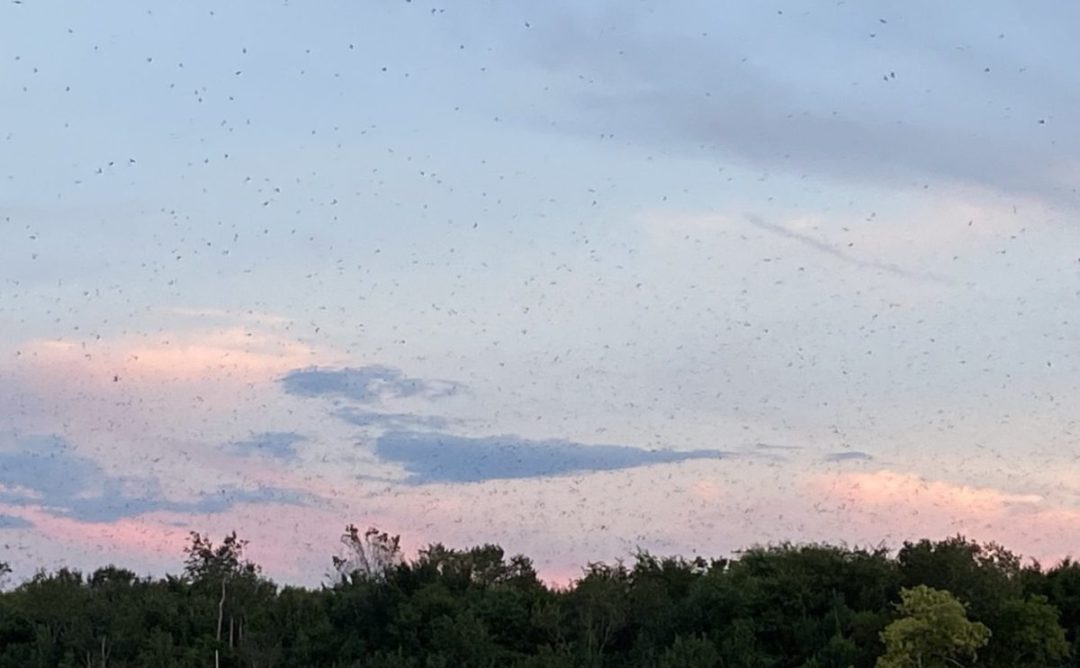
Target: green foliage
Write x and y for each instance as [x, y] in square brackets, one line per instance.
[1034, 637]
[690, 652]
[369, 556]
[933, 632]
[785, 606]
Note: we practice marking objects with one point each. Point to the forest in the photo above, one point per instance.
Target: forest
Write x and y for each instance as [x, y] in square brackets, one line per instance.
[946, 603]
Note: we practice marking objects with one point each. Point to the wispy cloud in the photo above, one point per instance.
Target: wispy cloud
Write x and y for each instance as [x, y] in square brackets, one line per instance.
[780, 110]
[371, 384]
[845, 257]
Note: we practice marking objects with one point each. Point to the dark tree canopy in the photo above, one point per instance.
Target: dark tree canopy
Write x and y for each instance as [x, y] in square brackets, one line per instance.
[952, 602]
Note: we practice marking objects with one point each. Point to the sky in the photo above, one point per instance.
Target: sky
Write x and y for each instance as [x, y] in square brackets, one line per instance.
[576, 278]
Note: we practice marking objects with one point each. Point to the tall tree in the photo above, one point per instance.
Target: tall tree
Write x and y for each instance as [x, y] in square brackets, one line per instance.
[368, 556]
[225, 568]
[933, 632]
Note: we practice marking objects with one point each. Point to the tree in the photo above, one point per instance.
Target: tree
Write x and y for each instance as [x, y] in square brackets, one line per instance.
[369, 556]
[1028, 635]
[934, 632]
[805, 606]
[601, 602]
[226, 567]
[1062, 587]
[981, 576]
[690, 652]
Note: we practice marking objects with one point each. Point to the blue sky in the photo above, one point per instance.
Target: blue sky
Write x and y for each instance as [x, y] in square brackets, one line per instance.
[689, 275]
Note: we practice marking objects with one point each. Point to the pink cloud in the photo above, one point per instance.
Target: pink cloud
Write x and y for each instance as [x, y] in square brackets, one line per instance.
[151, 397]
[121, 542]
[285, 540]
[894, 506]
[708, 508]
[236, 355]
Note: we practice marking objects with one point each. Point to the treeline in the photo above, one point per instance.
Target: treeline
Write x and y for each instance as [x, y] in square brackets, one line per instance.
[929, 604]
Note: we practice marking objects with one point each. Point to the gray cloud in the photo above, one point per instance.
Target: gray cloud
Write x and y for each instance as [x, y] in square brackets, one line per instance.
[46, 471]
[437, 457]
[9, 522]
[776, 447]
[848, 456]
[226, 498]
[47, 466]
[888, 108]
[365, 385]
[393, 421]
[280, 445]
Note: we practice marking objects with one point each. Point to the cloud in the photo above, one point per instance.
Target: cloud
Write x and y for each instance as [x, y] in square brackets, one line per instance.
[60, 540]
[277, 444]
[228, 497]
[392, 421]
[849, 456]
[845, 257]
[889, 488]
[44, 468]
[239, 354]
[47, 473]
[12, 522]
[773, 447]
[366, 385]
[437, 457]
[894, 506]
[887, 109]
